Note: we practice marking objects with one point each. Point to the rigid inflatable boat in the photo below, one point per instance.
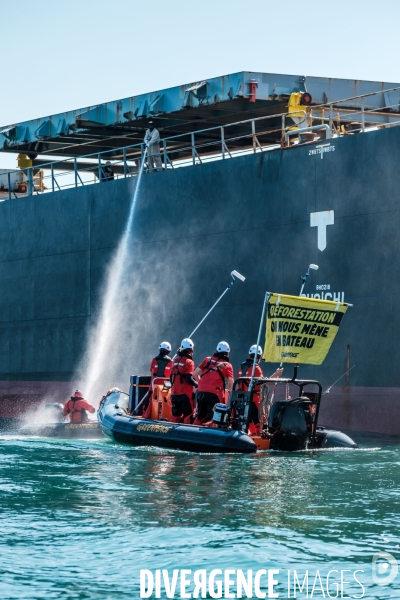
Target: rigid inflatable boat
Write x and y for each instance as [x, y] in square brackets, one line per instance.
[299, 330]
[52, 423]
[288, 425]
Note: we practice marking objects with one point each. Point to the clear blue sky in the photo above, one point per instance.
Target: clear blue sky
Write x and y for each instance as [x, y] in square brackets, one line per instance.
[59, 56]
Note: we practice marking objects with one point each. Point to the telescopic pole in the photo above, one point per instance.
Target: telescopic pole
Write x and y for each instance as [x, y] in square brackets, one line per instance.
[266, 299]
[234, 275]
[212, 308]
[331, 386]
[304, 278]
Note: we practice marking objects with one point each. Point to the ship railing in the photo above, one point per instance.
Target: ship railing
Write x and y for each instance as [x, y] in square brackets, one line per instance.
[349, 116]
[357, 110]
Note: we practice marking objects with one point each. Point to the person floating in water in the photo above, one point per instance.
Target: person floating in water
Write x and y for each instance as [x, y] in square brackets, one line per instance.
[76, 408]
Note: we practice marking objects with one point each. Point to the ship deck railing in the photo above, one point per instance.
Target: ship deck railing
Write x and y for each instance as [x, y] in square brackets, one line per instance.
[262, 134]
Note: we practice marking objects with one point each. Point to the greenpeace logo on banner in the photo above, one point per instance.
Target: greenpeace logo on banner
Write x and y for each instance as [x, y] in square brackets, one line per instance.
[302, 329]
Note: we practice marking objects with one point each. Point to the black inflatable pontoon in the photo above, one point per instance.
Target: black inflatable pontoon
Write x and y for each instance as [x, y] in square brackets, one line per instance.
[117, 424]
[291, 424]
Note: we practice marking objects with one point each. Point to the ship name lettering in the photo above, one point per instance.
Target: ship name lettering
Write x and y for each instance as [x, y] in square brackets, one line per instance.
[321, 150]
[334, 296]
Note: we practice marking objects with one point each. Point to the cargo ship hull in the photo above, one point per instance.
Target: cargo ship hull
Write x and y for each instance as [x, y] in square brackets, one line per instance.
[193, 226]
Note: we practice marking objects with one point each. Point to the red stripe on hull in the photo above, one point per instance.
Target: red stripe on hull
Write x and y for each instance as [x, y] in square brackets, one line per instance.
[352, 408]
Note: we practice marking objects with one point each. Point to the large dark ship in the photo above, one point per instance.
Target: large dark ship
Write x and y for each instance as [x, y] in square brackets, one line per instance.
[261, 173]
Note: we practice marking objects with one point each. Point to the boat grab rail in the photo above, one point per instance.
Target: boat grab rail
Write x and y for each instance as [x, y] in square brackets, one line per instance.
[283, 380]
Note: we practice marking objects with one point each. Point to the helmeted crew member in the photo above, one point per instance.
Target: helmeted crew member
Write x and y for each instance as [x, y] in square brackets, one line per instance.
[107, 173]
[160, 367]
[245, 370]
[183, 384]
[215, 383]
[152, 141]
[76, 408]
[162, 363]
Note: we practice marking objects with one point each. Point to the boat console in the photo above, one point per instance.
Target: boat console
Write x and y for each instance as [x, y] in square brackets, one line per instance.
[290, 424]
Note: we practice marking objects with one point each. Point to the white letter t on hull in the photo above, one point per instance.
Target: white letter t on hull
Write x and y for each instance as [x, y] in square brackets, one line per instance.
[321, 220]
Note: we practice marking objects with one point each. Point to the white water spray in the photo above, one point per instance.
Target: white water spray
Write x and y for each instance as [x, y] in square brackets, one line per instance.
[99, 349]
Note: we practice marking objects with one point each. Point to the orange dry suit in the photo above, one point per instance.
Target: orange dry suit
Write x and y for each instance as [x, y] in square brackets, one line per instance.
[76, 408]
[160, 367]
[245, 370]
[183, 386]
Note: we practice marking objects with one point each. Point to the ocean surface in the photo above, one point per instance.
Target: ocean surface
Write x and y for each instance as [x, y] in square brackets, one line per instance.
[80, 519]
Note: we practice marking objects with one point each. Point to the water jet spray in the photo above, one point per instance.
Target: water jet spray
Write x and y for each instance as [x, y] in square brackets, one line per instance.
[98, 350]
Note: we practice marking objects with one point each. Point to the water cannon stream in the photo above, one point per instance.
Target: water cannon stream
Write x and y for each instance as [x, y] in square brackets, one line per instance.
[98, 348]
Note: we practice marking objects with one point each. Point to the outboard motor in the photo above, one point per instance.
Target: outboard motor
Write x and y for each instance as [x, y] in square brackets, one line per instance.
[293, 423]
[221, 415]
[239, 403]
[287, 425]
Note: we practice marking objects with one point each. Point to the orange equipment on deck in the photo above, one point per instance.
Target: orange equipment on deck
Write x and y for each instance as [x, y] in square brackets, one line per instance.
[161, 408]
[261, 443]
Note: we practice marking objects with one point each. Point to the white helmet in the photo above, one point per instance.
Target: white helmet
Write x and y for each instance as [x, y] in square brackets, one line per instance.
[223, 347]
[256, 350]
[187, 344]
[165, 346]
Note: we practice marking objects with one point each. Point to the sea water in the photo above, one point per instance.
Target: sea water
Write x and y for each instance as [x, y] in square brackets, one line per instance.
[81, 519]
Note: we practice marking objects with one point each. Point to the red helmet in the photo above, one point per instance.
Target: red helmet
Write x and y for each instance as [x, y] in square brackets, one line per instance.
[78, 394]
